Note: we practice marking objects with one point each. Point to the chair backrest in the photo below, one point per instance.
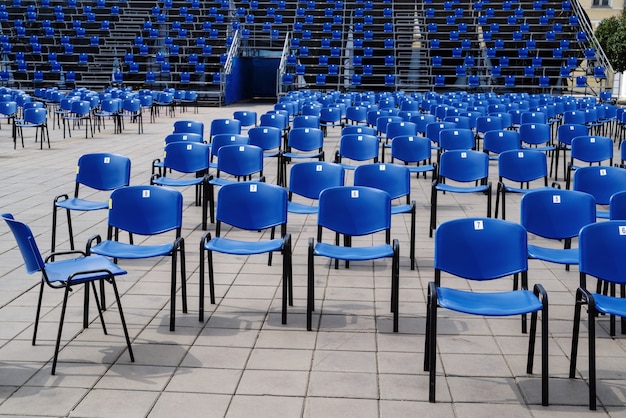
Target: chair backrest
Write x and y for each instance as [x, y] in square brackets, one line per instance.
[498, 141]
[601, 247]
[567, 132]
[266, 137]
[305, 121]
[103, 171]
[306, 139]
[225, 126]
[393, 179]
[617, 206]
[358, 129]
[354, 210]
[81, 107]
[309, 178]
[189, 127]
[433, 129]
[600, 181]
[359, 147]
[422, 120]
[535, 133]
[33, 261]
[240, 160]
[356, 114]
[246, 117]
[221, 140]
[395, 129]
[464, 165]
[252, 206]
[410, 149]
[455, 138]
[556, 213]
[481, 248]
[592, 149]
[145, 210]
[523, 165]
[180, 136]
[277, 120]
[186, 156]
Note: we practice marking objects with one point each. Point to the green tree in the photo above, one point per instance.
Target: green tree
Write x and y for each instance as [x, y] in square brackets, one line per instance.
[611, 33]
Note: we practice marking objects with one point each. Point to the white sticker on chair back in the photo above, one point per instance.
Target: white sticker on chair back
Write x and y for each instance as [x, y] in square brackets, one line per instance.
[478, 225]
[241, 148]
[145, 193]
[354, 194]
[253, 188]
[556, 198]
[464, 155]
[592, 139]
[233, 138]
[107, 160]
[603, 172]
[189, 147]
[382, 167]
[359, 138]
[520, 154]
[318, 167]
[189, 124]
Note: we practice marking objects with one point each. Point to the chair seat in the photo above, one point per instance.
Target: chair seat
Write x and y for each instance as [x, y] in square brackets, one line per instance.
[236, 247]
[544, 148]
[353, 253]
[395, 209]
[116, 249]
[59, 271]
[457, 189]
[297, 155]
[516, 302]
[602, 214]
[610, 305]
[509, 189]
[299, 208]
[173, 182]
[81, 204]
[218, 181]
[421, 168]
[554, 255]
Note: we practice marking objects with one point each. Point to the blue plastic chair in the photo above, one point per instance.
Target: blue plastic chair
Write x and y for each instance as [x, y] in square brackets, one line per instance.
[146, 211]
[395, 180]
[34, 118]
[589, 149]
[617, 206]
[455, 139]
[307, 180]
[251, 207]
[460, 166]
[330, 117]
[246, 118]
[302, 143]
[601, 182]
[190, 158]
[601, 256]
[239, 162]
[481, 249]
[556, 214]
[354, 211]
[65, 274]
[358, 148]
[416, 150]
[97, 171]
[131, 110]
[356, 114]
[519, 166]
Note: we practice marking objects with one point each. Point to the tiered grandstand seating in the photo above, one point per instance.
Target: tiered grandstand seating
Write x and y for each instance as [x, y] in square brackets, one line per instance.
[356, 45]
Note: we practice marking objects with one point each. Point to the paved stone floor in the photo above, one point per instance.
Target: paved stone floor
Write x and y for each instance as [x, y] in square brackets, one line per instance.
[241, 362]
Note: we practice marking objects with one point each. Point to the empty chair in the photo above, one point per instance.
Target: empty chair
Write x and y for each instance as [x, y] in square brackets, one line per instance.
[589, 149]
[601, 256]
[67, 274]
[36, 117]
[224, 126]
[96, 171]
[480, 249]
[565, 134]
[302, 143]
[247, 118]
[307, 180]
[498, 141]
[460, 166]
[395, 180]
[353, 211]
[146, 211]
[249, 207]
[522, 167]
[409, 150]
[330, 117]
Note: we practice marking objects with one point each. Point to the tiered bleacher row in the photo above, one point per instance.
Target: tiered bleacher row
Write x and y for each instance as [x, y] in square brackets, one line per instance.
[352, 45]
